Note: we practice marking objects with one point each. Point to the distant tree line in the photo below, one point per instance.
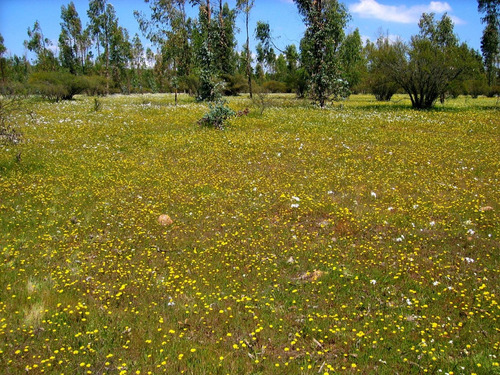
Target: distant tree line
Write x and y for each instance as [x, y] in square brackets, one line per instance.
[199, 55]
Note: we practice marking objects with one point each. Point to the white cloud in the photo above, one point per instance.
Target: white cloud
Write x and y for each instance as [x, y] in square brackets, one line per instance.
[439, 7]
[399, 13]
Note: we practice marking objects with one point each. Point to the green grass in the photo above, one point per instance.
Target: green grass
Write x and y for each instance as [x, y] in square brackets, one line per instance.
[361, 238]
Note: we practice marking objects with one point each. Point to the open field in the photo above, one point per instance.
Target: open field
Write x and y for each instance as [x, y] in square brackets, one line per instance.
[363, 238]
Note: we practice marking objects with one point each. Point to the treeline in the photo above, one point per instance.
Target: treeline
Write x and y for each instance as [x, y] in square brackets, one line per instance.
[199, 55]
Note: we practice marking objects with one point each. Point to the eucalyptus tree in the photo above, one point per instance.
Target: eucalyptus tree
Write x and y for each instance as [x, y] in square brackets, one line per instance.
[490, 41]
[168, 28]
[3, 60]
[246, 6]
[40, 45]
[325, 21]
[351, 59]
[224, 40]
[213, 43]
[74, 41]
[120, 55]
[266, 56]
[137, 60]
[103, 23]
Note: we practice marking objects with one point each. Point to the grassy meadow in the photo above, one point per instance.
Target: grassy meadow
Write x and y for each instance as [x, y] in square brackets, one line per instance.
[361, 238]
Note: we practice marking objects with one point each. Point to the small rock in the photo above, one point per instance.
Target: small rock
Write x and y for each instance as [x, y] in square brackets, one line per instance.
[164, 220]
[290, 260]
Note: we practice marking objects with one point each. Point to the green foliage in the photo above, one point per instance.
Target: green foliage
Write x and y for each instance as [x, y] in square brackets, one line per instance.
[74, 41]
[234, 84]
[378, 80]
[325, 22]
[493, 91]
[94, 85]
[207, 90]
[351, 58]
[246, 6]
[490, 40]
[58, 86]
[39, 44]
[274, 86]
[218, 115]
[265, 52]
[426, 67]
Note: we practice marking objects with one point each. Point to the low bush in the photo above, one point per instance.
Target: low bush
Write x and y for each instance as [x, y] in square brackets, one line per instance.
[218, 115]
[274, 86]
[58, 86]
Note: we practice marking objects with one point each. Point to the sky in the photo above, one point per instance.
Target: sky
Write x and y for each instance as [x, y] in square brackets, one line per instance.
[371, 17]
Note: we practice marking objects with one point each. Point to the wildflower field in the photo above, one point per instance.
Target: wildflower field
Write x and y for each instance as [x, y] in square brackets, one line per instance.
[362, 238]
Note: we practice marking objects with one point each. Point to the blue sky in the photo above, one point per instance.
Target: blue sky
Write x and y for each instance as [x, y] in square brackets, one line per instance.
[395, 18]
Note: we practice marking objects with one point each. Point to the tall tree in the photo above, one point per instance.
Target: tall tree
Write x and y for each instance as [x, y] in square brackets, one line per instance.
[205, 37]
[379, 81]
[137, 59]
[74, 42]
[3, 60]
[94, 13]
[225, 42]
[265, 51]
[103, 22]
[39, 44]
[351, 58]
[246, 6]
[120, 54]
[490, 41]
[426, 67]
[325, 21]
[292, 67]
[168, 28]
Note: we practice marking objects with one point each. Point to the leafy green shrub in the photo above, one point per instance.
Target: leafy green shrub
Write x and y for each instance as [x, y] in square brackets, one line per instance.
[189, 84]
[58, 85]
[96, 85]
[493, 91]
[477, 87]
[234, 84]
[382, 87]
[218, 115]
[274, 86]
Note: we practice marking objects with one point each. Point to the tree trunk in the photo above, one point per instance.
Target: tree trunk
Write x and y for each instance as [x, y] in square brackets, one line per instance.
[209, 12]
[249, 70]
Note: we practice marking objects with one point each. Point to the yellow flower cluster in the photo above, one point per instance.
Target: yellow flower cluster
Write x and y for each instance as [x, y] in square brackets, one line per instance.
[363, 238]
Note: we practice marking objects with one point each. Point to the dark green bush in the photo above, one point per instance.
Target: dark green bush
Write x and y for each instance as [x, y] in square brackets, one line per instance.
[234, 84]
[493, 91]
[96, 86]
[58, 85]
[274, 86]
